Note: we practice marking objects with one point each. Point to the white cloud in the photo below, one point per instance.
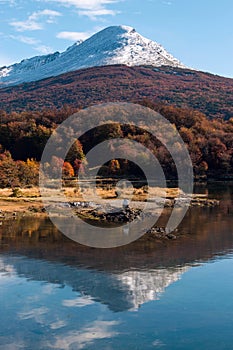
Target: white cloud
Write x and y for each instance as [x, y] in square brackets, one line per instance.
[158, 343]
[37, 44]
[43, 49]
[94, 14]
[46, 12]
[25, 39]
[90, 8]
[36, 314]
[8, 2]
[33, 23]
[86, 4]
[50, 14]
[80, 339]
[74, 36]
[79, 302]
[22, 26]
[58, 324]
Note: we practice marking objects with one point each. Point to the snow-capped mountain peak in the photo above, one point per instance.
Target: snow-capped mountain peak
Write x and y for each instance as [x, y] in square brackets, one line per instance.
[112, 45]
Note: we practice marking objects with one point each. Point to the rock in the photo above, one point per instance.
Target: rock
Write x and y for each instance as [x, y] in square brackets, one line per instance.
[171, 236]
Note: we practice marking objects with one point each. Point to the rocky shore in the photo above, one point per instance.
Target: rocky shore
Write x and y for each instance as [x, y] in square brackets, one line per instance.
[29, 207]
[104, 215]
[29, 204]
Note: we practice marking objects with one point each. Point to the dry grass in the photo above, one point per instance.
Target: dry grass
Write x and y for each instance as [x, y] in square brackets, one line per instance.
[31, 196]
[25, 192]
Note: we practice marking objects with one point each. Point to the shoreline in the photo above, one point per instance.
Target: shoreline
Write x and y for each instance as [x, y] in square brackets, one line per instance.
[29, 201]
[30, 205]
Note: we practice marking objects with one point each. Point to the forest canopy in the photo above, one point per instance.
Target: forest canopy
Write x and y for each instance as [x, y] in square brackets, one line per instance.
[23, 136]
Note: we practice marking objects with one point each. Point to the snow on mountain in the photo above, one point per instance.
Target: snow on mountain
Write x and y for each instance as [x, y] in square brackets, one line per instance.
[131, 288]
[144, 286]
[113, 45]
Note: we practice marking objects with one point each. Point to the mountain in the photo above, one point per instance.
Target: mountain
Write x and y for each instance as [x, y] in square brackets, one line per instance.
[113, 45]
[131, 289]
[204, 92]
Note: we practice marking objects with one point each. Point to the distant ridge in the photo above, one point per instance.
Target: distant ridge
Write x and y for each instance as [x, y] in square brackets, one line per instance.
[112, 45]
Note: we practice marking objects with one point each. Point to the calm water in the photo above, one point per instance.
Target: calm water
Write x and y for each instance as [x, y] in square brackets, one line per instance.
[56, 294]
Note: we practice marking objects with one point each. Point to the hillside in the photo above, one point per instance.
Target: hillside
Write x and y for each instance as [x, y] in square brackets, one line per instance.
[207, 93]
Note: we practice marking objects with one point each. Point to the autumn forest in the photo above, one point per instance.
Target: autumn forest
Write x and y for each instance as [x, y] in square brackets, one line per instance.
[24, 134]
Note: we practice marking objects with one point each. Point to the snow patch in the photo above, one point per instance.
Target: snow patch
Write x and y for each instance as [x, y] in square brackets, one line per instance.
[112, 45]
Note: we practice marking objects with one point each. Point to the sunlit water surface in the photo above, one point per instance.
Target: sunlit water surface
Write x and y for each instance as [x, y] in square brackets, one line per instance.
[56, 294]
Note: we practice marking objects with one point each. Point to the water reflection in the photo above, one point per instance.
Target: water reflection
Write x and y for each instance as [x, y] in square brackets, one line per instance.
[58, 306]
[86, 336]
[120, 292]
[123, 278]
[57, 294]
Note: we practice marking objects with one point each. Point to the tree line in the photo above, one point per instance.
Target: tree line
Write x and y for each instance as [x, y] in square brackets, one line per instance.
[23, 136]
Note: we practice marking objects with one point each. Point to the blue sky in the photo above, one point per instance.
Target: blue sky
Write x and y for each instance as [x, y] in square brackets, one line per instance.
[197, 32]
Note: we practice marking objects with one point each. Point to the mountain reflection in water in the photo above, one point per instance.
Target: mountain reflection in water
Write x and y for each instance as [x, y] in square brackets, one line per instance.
[123, 278]
[57, 294]
[122, 291]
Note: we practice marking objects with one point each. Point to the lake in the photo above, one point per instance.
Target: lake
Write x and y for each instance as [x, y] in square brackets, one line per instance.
[57, 294]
